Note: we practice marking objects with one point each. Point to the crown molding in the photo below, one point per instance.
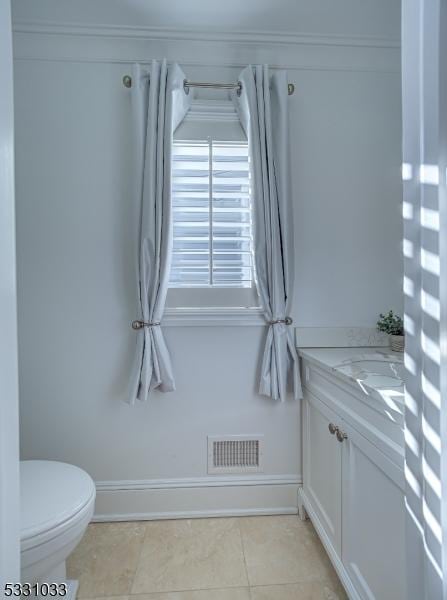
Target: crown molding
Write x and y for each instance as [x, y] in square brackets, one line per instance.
[204, 35]
[59, 42]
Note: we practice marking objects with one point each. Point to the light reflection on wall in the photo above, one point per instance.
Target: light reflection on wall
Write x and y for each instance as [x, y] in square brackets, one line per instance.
[423, 359]
[424, 25]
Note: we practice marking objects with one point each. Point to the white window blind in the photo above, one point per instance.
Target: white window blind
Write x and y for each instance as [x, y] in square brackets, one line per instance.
[213, 242]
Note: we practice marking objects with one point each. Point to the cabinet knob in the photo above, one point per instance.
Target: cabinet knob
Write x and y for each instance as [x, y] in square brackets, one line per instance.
[341, 435]
[332, 428]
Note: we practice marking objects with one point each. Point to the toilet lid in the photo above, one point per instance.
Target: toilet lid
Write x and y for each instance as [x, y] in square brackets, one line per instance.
[51, 493]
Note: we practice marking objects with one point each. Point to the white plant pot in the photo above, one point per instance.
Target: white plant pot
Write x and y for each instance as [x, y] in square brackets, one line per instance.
[397, 343]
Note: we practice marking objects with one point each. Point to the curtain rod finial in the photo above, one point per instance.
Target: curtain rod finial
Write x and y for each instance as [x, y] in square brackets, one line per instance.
[127, 81]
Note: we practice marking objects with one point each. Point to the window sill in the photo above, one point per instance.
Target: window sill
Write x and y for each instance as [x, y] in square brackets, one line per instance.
[212, 317]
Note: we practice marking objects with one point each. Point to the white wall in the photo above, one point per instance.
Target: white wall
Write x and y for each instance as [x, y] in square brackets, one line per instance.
[375, 18]
[9, 426]
[424, 61]
[76, 232]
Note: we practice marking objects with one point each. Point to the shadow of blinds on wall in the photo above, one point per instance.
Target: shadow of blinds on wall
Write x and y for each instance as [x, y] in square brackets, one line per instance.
[424, 54]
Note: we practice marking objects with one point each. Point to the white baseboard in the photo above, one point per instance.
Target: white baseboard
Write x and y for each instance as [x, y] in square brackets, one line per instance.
[196, 498]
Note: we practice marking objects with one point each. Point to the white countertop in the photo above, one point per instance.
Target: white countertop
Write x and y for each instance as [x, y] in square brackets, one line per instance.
[376, 372]
[330, 357]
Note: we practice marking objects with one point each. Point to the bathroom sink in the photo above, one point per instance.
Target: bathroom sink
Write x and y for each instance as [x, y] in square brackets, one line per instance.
[381, 367]
[378, 372]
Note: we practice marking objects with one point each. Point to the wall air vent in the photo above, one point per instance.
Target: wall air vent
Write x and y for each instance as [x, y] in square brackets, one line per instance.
[235, 454]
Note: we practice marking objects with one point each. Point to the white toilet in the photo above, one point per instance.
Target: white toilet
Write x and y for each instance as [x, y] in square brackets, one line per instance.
[57, 502]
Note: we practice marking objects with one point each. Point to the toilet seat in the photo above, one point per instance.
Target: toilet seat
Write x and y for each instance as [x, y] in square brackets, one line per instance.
[57, 503]
[55, 498]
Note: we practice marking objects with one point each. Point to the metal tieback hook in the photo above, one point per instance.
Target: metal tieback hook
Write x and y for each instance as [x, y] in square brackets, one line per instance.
[286, 321]
[136, 325]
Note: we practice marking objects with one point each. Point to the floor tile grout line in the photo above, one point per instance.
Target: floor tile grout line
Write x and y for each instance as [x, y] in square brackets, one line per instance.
[189, 590]
[146, 594]
[219, 587]
[310, 582]
[243, 554]
[137, 562]
[290, 583]
[206, 589]
[239, 587]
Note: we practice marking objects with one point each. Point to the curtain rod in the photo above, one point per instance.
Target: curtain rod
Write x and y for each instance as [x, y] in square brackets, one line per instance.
[127, 82]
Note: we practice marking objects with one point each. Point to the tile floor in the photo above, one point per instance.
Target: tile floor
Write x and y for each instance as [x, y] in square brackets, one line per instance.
[249, 558]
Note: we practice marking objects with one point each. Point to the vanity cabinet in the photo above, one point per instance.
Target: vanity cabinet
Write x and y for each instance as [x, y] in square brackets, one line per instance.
[373, 551]
[322, 467]
[353, 485]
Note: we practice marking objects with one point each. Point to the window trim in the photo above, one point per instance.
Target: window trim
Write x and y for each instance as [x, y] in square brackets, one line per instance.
[213, 317]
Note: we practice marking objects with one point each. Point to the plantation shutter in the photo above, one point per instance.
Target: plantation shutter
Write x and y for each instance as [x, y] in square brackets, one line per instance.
[212, 216]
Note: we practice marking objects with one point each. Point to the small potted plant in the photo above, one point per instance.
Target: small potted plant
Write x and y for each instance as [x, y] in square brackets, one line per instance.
[393, 325]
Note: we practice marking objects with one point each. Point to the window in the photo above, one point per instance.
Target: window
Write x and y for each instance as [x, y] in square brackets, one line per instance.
[212, 275]
[212, 216]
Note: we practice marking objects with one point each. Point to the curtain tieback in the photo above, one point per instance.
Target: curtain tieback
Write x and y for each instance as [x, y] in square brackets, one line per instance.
[141, 324]
[286, 321]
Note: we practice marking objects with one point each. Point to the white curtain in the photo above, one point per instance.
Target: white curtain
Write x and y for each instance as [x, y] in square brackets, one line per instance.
[262, 108]
[159, 104]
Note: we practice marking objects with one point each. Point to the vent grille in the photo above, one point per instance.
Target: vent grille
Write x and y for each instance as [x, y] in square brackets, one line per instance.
[235, 454]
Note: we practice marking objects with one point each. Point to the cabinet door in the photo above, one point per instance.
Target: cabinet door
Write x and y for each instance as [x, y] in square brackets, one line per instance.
[322, 467]
[373, 520]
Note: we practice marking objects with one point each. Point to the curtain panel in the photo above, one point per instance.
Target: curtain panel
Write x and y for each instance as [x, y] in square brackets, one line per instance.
[262, 109]
[159, 104]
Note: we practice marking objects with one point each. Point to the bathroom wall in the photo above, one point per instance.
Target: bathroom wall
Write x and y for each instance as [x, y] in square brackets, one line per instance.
[9, 381]
[77, 225]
